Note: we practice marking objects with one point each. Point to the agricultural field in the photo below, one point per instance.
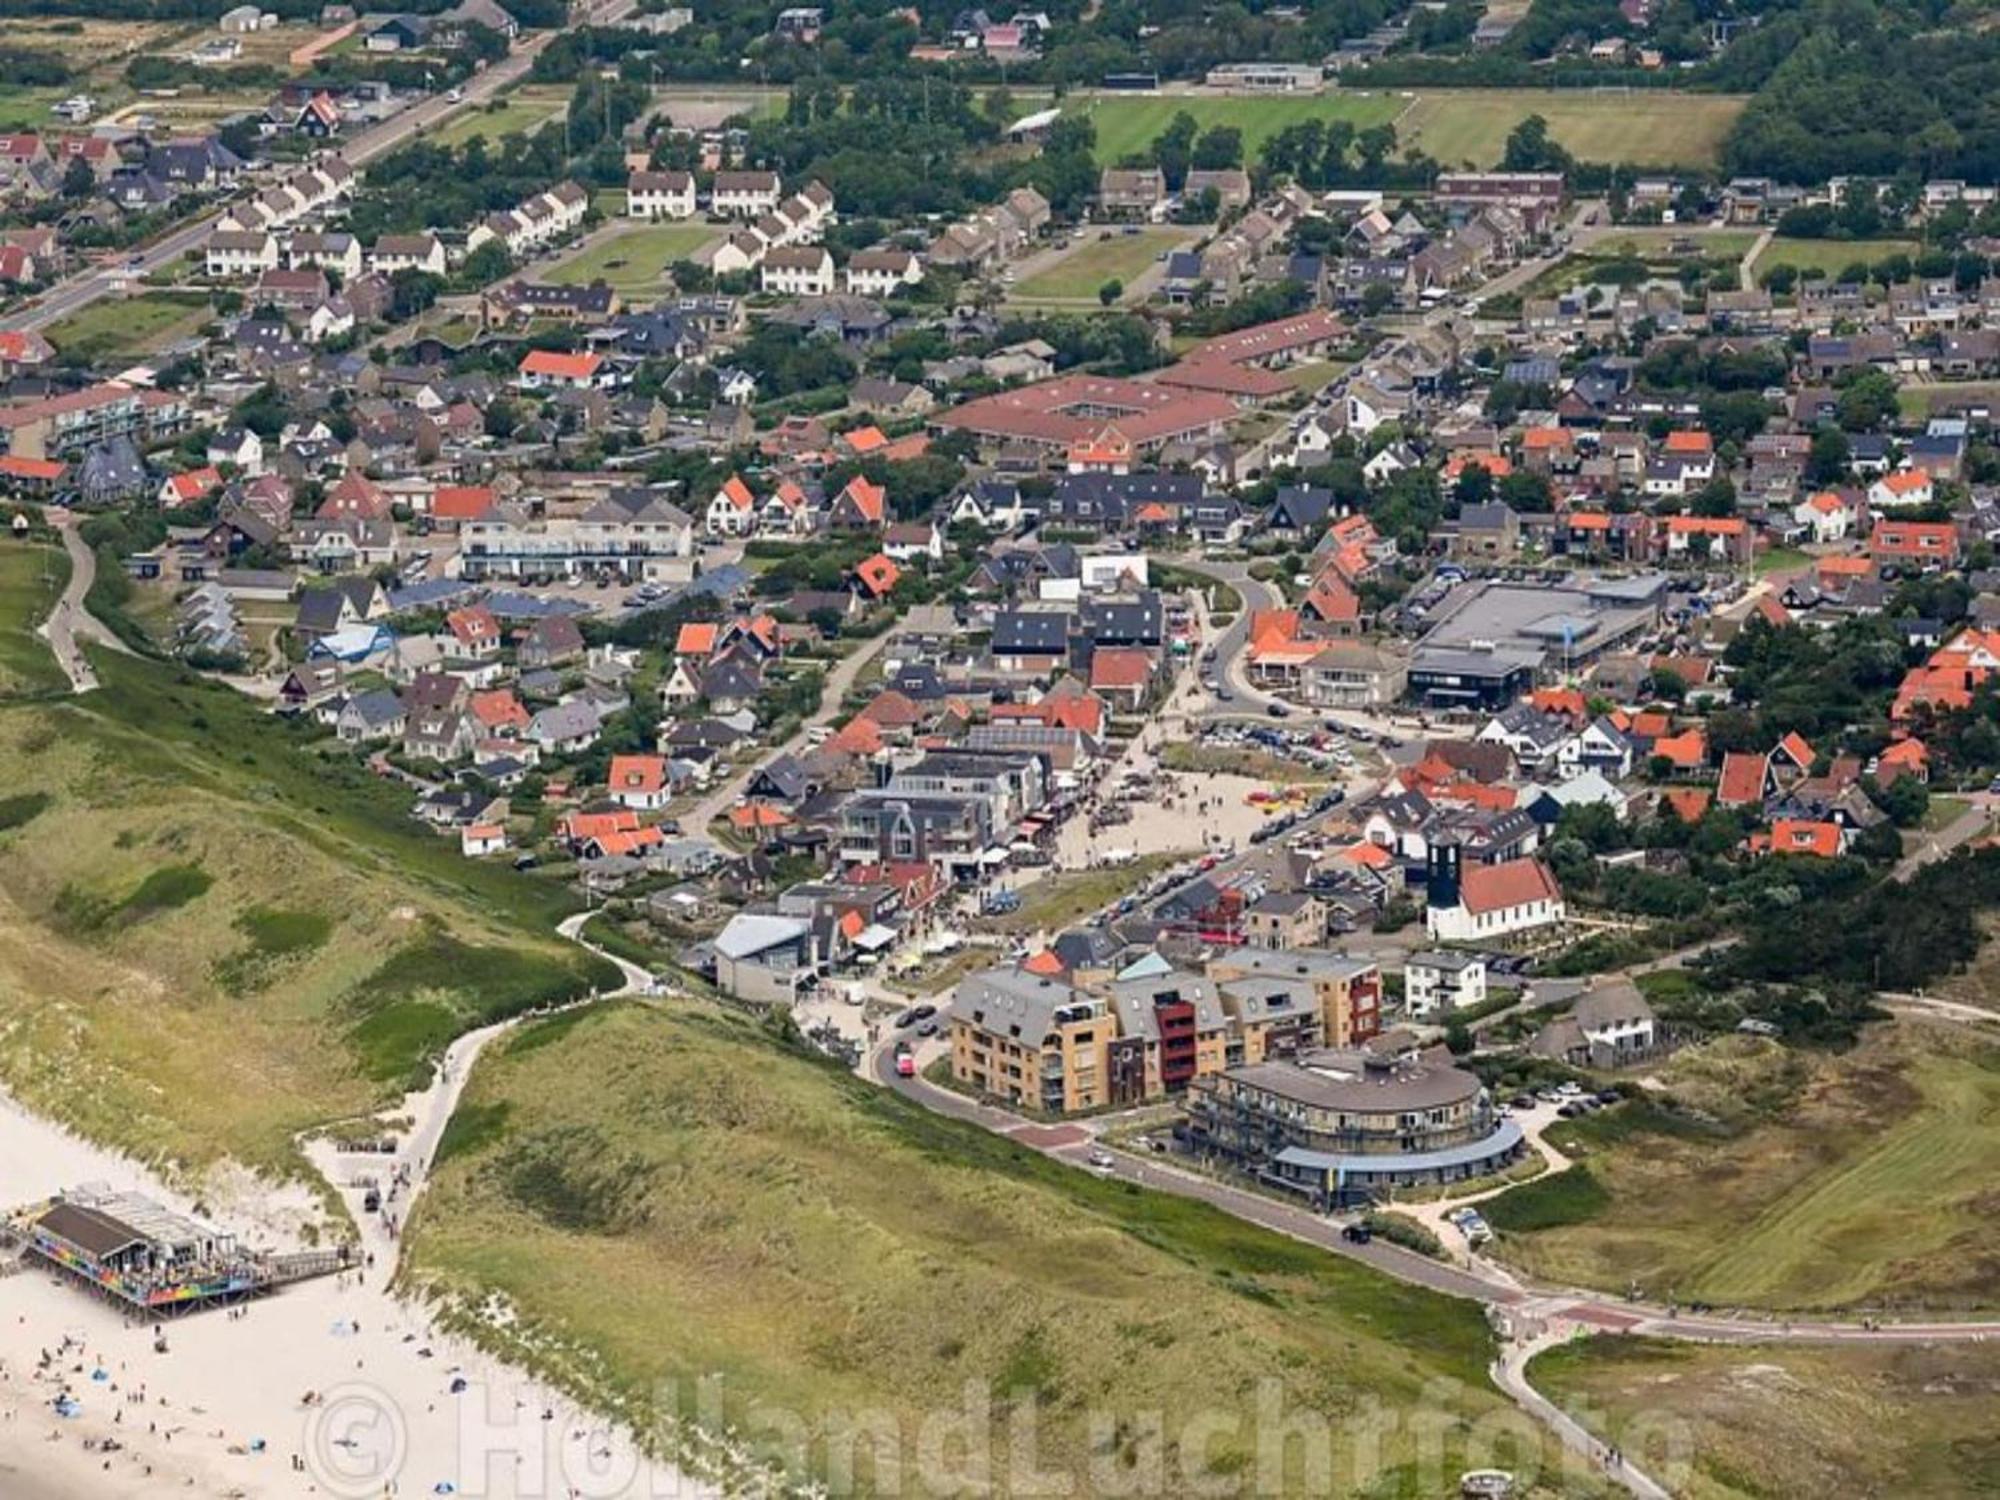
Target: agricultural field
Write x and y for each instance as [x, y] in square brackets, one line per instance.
[821, 1248]
[520, 111]
[115, 329]
[1783, 1179]
[1457, 126]
[634, 260]
[1828, 257]
[1757, 1422]
[212, 937]
[1121, 257]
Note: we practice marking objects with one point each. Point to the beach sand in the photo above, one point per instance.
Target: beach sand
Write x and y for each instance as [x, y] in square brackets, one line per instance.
[223, 1412]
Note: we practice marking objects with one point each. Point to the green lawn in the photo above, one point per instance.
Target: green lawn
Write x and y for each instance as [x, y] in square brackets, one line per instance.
[667, 1194]
[635, 259]
[1783, 560]
[1821, 1182]
[25, 108]
[1761, 1421]
[1829, 256]
[1120, 257]
[1651, 242]
[1457, 126]
[115, 328]
[519, 112]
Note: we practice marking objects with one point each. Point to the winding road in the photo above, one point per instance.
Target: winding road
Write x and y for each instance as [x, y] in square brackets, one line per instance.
[70, 624]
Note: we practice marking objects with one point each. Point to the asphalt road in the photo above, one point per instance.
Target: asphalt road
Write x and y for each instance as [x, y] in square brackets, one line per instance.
[97, 282]
[70, 624]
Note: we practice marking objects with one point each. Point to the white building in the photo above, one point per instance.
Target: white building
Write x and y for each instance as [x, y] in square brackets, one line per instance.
[798, 271]
[877, 273]
[1442, 981]
[745, 195]
[407, 252]
[237, 254]
[1488, 902]
[660, 195]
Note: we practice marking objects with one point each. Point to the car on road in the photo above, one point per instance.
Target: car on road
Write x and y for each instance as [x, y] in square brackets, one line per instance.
[928, 1028]
[906, 1063]
[454, 96]
[1277, 710]
[1357, 1234]
[1101, 1159]
[906, 1020]
[922, 1012]
[1224, 695]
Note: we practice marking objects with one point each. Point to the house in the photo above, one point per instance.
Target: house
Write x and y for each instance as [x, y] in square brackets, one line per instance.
[1827, 516]
[239, 446]
[370, 717]
[660, 195]
[1921, 545]
[744, 195]
[1442, 981]
[1131, 192]
[880, 273]
[476, 840]
[797, 271]
[1907, 489]
[239, 255]
[639, 782]
[1485, 902]
[1611, 1026]
[552, 641]
[552, 370]
[407, 252]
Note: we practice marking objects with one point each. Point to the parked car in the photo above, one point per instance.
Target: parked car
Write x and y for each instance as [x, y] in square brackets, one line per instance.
[1357, 1234]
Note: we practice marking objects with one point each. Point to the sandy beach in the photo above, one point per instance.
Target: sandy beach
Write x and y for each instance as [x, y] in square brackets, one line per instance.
[331, 1387]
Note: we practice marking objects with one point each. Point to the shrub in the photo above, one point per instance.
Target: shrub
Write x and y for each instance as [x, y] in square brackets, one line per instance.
[1573, 1196]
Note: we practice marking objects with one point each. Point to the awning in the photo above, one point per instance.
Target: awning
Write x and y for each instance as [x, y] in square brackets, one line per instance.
[995, 856]
[875, 937]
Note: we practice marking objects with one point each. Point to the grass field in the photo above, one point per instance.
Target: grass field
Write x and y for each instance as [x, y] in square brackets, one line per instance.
[1783, 560]
[116, 329]
[635, 259]
[667, 1194]
[31, 580]
[1078, 275]
[212, 938]
[24, 108]
[1921, 400]
[1769, 1422]
[1457, 126]
[1643, 128]
[520, 111]
[1828, 256]
[1822, 1181]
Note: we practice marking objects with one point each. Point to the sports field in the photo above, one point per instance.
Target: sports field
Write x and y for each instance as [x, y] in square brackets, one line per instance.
[1830, 257]
[634, 259]
[1119, 257]
[1824, 1181]
[1757, 1421]
[1457, 126]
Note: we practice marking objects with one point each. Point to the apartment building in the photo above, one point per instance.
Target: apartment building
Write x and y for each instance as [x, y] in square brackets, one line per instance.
[635, 532]
[54, 426]
[1031, 1041]
[1347, 992]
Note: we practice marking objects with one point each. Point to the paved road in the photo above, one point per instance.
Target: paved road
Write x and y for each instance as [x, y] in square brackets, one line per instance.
[70, 624]
[95, 282]
[695, 821]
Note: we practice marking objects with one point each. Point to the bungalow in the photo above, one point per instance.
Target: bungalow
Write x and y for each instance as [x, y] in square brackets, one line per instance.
[552, 370]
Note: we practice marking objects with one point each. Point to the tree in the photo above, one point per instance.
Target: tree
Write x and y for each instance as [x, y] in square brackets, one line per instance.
[78, 181]
[1827, 462]
[1529, 149]
[1376, 298]
[1716, 499]
[1110, 292]
[1220, 148]
[1173, 149]
[486, 265]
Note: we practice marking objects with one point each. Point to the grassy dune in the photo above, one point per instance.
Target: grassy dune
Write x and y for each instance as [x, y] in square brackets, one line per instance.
[212, 937]
[666, 1195]
[1861, 1179]
[1763, 1422]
